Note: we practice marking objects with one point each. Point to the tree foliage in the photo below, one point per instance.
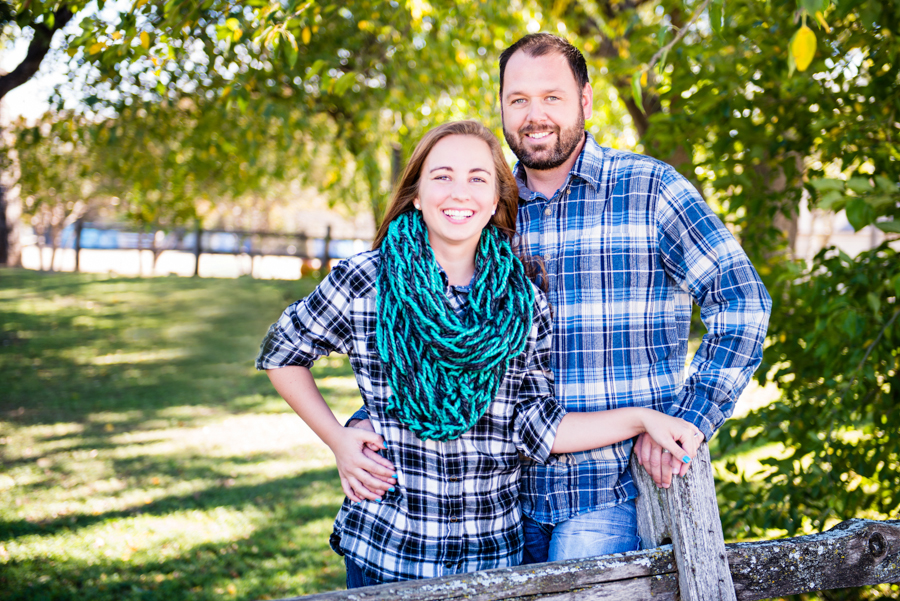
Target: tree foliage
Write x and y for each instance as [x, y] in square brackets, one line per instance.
[766, 137]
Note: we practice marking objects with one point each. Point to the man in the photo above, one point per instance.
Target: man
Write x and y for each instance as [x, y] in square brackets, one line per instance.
[628, 244]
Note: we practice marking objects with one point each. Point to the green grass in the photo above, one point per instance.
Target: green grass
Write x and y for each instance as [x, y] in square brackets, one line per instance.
[143, 457]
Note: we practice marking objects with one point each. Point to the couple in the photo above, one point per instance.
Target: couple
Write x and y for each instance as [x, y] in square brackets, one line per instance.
[463, 366]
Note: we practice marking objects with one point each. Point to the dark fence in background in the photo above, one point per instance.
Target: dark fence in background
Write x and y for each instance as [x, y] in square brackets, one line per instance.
[199, 241]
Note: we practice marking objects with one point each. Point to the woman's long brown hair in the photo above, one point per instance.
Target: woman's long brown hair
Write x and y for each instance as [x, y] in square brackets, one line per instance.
[507, 191]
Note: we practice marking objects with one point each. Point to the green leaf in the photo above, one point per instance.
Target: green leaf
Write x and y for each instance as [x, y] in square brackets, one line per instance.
[290, 48]
[879, 200]
[812, 6]
[636, 92]
[859, 213]
[874, 302]
[716, 12]
[860, 185]
[832, 201]
[315, 68]
[891, 227]
[344, 82]
[885, 183]
[822, 184]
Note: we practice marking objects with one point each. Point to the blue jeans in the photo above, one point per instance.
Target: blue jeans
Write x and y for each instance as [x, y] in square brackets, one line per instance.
[355, 576]
[610, 530]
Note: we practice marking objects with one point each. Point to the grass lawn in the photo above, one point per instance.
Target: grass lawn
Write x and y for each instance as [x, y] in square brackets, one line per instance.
[143, 457]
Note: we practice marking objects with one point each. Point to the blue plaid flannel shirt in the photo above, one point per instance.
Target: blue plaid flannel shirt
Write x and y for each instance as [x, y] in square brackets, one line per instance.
[628, 243]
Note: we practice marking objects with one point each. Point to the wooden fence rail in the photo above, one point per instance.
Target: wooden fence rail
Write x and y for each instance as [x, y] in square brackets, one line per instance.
[853, 553]
[696, 566]
[200, 241]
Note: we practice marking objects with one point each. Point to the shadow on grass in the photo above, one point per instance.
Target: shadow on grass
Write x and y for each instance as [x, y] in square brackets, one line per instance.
[87, 358]
[265, 563]
[100, 344]
[266, 494]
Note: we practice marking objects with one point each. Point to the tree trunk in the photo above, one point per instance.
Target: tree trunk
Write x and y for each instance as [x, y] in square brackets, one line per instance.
[4, 229]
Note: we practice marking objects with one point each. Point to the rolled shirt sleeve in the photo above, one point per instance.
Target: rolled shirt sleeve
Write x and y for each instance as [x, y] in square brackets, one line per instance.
[705, 260]
[538, 414]
[312, 327]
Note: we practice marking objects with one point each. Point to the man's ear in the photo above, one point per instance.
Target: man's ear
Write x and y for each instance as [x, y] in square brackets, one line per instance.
[587, 101]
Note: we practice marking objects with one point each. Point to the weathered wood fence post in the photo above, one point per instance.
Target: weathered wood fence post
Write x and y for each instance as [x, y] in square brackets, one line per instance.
[326, 253]
[79, 225]
[198, 248]
[687, 514]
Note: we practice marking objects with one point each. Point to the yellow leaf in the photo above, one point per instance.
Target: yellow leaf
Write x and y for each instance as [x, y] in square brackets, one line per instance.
[155, 62]
[140, 3]
[109, 427]
[72, 51]
[803, 47]
[821, 19]
[237, 34]
[363, 25]
[643, 78]
[306, 35]
[95, 48]
[116, 35]
[145, 40]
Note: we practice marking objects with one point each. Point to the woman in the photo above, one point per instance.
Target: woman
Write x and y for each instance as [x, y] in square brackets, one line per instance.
[449, 341]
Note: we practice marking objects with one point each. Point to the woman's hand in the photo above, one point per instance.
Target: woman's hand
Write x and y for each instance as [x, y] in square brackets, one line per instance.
[364, 473]
[665, 445]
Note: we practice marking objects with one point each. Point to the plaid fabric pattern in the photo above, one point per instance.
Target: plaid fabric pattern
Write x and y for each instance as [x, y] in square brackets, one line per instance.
[456, 507]
[628, 243]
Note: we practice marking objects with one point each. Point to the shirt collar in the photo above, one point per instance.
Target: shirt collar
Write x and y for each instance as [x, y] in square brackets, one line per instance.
[588, 166]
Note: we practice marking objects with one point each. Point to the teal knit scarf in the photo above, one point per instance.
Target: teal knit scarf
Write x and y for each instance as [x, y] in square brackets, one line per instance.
[444, 369]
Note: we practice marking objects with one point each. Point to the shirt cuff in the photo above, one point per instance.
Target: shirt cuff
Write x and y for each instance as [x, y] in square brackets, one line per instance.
[361, 414]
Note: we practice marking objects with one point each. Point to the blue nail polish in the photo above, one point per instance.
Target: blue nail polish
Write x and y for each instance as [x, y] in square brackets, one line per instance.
[391, 489]
[394, 476]
[686, 459]
[378, 500]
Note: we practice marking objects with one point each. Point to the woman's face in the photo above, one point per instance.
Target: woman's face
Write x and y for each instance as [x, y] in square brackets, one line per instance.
[457, 192]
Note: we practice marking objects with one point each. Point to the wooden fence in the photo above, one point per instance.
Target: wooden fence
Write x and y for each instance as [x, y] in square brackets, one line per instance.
[696, 566]
[199, 241]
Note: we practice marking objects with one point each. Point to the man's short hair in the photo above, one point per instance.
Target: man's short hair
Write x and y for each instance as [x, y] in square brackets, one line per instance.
[540, 44]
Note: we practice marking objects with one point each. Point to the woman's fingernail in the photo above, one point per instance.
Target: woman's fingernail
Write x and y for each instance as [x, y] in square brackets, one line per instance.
[686, 459]
[378, 500]
[391, 489]
[394, 476]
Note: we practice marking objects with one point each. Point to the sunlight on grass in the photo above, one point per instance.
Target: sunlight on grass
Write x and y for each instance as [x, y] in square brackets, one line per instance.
[144, 457]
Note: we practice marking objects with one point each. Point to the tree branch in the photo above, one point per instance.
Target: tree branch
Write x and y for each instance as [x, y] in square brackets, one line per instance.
[681, 33]
[37, 50]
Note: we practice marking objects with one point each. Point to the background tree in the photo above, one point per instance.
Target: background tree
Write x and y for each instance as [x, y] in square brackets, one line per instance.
[43, 20]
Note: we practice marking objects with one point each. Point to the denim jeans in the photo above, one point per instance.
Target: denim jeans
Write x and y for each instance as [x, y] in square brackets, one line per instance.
[355, 576]
[610, 530]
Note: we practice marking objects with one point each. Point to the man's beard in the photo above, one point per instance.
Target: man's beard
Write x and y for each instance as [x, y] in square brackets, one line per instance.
[567, 141]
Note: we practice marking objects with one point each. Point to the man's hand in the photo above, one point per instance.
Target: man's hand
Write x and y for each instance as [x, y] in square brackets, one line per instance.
[661, 466]
[364, 474]
[377, 474]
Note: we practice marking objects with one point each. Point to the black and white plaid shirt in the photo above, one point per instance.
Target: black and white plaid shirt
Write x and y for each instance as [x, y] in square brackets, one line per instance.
[456, 506]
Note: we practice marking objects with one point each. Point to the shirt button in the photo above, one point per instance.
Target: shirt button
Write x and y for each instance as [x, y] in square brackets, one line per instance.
[548, 211]
[453, 479]
[449, 565]
[547, 258]
[453, 519]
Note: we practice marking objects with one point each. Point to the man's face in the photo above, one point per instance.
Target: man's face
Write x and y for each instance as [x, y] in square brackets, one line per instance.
[543, 109]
